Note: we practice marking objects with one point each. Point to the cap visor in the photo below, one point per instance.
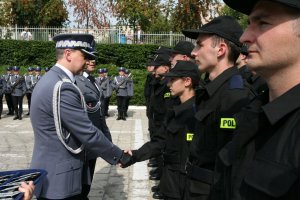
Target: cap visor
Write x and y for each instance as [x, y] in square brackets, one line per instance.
[171, 74]
[90, 55]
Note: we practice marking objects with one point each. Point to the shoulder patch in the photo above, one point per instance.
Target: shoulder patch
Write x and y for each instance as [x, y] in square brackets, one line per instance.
[236, 82]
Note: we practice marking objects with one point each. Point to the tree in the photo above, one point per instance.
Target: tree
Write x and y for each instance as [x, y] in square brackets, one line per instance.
[46, 16]
[25, 12]
[91, 12]
[240, 17]
[191, 14]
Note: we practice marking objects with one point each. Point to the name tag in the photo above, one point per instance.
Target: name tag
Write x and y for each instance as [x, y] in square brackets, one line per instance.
[228, 123]
[189, 137]
[167, 95]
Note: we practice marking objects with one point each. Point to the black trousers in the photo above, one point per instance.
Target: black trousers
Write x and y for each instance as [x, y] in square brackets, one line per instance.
[28, 95]
[85, 187]
[105, 105]
[18, 104]
[9, 103]
[121, 102]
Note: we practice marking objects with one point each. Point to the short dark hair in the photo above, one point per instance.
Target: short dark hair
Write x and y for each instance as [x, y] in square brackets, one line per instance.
[59, 53]
[234, 50]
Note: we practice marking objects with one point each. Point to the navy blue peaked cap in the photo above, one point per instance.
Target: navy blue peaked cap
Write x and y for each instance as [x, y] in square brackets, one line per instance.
[8, 68]
[83, 42]
[122, 69]
[15, 68]
[100, 71]
[38, 69]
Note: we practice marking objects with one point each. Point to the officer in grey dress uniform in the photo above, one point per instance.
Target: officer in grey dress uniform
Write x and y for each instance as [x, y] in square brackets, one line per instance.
[129, 86]
[2, 85]
[64, 136]
[7, 91]
[37, 73]
[18, 87]
[104, 82]
[93, 98]
[30, 82]
[119, 85]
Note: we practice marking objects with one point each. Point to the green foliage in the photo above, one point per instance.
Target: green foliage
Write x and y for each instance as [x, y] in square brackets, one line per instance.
[112, 56]
[33, 12]
[240, 17]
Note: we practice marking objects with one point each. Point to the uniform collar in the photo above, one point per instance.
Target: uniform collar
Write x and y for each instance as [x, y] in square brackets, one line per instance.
[214, 85]
[68, 72]
[283, 105]
[179, 109]
[85, 74]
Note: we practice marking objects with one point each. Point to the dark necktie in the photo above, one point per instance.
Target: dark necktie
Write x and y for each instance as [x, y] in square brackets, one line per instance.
[92, 79]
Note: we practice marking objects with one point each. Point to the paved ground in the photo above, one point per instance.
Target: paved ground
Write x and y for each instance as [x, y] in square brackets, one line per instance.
[110, 182]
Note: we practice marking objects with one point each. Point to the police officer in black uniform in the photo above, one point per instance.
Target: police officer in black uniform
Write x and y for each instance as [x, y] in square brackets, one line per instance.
[176, 132]
[216, 51]
[262, 161]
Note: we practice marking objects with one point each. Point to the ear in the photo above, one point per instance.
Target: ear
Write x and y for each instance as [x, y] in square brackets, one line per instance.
[185, 57]
[222, 49]
[188, 81]
[67, 54]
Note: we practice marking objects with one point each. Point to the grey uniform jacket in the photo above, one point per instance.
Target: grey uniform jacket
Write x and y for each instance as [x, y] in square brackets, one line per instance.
[7, 88]
[65, 169]
[129, 86]
[93, 97]
[17, 85]
[2, 85]
[30, 81]
[105, 86]
[120, 86]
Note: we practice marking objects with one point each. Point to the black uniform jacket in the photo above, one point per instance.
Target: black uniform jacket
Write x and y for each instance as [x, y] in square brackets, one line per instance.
[161, 100]
[173, 137]
[263, 160]
[222, 98]
[257, 83]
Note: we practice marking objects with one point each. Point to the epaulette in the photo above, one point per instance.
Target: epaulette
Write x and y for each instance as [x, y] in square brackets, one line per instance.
[236, 82]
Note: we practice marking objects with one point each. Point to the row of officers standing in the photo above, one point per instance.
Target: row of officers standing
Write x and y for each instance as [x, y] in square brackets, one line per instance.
[192, 119]
[15, 86]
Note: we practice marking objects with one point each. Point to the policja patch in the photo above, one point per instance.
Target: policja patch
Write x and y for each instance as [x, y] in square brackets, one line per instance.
[228, 123]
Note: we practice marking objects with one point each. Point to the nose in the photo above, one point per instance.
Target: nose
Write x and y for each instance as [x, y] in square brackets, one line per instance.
[194, 52]
[248, 36]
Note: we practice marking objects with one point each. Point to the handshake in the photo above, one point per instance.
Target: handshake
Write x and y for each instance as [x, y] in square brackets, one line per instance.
[126, 159]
